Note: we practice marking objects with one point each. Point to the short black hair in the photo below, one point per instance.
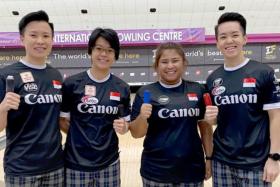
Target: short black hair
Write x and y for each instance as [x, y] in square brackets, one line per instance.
[34, 16]
[109, 35]
[231, 16]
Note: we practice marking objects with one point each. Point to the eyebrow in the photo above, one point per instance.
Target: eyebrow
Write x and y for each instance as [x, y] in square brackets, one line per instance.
[234, 32]
[102, 46]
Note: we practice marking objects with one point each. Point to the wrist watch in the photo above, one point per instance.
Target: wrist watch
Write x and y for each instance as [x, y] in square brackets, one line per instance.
[274, 156]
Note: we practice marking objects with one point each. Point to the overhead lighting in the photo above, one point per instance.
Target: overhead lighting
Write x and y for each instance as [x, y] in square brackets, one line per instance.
[84, 11]
[222, 8]
[15, 13]
[153, 10]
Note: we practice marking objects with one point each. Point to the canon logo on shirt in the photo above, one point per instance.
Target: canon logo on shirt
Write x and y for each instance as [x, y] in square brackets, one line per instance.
[176, 113]
[235, 99]
[32, 99]
[97, 109]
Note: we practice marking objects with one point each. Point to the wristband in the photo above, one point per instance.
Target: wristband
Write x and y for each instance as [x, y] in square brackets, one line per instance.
[208, 157]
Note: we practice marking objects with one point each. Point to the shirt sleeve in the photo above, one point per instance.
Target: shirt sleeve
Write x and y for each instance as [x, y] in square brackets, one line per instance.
[127, 105]
[136, 106]
[271, 91]
[66, 99]
[2, 87]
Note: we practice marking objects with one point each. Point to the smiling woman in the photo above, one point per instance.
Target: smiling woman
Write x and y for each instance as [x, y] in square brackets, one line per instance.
[94, 99]
[33, 119]
[169, 120]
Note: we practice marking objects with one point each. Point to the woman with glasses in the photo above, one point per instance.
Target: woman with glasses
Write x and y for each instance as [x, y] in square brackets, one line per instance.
[96, 105]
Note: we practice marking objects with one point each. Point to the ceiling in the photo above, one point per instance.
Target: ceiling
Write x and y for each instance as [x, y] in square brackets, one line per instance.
[263, 16]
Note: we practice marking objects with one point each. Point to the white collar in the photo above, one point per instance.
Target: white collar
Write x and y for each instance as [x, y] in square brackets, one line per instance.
[172, 85]
[28, 64]
[238, 66]
[96, 80]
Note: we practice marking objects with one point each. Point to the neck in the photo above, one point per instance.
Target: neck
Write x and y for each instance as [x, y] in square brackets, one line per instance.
[234, 61]
[35, 61]
[98, 74]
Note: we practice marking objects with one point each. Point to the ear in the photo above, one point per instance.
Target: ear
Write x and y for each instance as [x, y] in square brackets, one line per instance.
[245, 39]
[21, 37]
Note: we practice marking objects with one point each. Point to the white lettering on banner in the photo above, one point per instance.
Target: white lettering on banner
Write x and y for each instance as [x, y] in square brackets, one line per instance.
[97, 109]
[235, 99]
[214, 53]
[168, 36]
[194, 53]
[68, 38]
[32, 99]
[134, 37]
[176, 113]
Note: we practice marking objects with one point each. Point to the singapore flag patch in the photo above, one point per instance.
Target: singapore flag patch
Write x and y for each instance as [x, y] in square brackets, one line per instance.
[249, 82]
[192, 96]
[56, 84]
[116, 96]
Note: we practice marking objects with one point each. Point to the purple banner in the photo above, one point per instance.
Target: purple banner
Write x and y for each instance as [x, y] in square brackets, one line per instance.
[9, 39]
[127, 37]
[156, 36]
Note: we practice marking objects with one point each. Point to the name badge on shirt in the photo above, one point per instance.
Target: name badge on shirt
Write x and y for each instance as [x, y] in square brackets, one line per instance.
[26, 77]
[90, 90]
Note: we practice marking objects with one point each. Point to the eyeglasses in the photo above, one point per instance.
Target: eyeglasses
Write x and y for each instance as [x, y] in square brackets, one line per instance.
[100, 49]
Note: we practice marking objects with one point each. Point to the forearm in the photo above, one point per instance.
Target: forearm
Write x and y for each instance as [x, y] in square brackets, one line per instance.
[138, 128]
[274, 120]
[274, 137]
[206, 132]
[3, 118]
[64, 124]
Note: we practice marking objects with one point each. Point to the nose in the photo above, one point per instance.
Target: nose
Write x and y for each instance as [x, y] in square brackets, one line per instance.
[40, 39]
[103, 52]
[169, 64]
[229, 39]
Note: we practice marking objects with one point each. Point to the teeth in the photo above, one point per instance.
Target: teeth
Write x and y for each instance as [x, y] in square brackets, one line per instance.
[230, 48]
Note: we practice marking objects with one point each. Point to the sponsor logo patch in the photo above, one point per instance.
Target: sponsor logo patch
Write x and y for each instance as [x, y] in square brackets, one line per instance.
[163, 99]
[90, 90]
[30, 87]
[218, 90]
[89, 100]
[26, 77]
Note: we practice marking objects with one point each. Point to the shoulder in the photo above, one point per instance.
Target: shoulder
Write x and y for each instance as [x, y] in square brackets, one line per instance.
[192, 84]
[150, 87]
[12, 69]
[77, 78]
[116, 80]
[257, 67]
[216, 72]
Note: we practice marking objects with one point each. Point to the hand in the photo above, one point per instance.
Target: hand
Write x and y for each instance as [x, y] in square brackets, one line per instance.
[146, 111]
[10, 101]
[120, 126]
[211, 114]
[271, 170]
[208, 169]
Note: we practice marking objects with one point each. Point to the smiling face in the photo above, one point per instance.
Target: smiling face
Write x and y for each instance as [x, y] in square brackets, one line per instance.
[37, 39]
[102, 56]
[230, 40]
[170, 67]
